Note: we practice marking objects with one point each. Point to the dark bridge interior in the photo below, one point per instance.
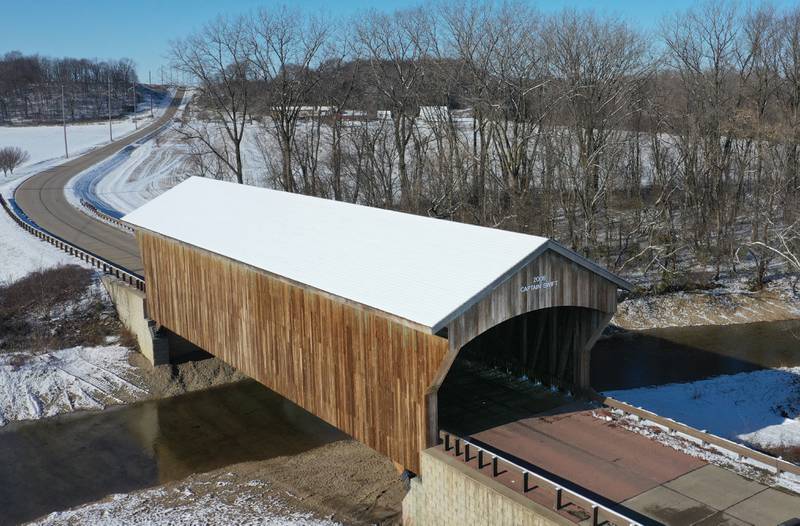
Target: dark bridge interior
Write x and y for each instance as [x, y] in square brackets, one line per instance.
[515, 370]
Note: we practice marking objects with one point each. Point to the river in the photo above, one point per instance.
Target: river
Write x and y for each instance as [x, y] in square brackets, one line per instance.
[64, 461]
[630, 359]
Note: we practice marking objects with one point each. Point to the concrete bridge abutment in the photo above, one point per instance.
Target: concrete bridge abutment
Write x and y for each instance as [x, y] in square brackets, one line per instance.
[130, 304]
[449, 492]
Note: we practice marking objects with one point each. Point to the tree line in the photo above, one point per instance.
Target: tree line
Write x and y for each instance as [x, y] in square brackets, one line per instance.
[673, 155]
[31, 88]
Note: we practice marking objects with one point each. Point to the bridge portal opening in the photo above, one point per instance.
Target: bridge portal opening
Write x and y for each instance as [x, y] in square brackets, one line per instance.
[522, 367]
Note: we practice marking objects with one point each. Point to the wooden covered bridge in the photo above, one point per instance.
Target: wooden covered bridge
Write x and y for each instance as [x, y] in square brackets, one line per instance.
[356, 313]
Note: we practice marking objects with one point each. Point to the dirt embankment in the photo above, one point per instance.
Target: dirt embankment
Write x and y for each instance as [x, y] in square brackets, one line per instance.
[163, 381]
[346, 481]
[730, 303]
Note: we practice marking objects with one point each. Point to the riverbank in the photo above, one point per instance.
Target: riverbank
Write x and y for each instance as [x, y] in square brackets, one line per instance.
[163, 457]
[62, 349]
[340, 483]
[729, 303]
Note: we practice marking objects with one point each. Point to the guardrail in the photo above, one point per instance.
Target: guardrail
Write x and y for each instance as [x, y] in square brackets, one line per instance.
[96, 261]
[107, 218]
[778, 464]
[598, 513]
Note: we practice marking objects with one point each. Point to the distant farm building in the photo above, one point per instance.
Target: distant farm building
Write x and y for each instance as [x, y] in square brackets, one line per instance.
[432, 114]
[353, 115]
[307, 112]
[357, 314]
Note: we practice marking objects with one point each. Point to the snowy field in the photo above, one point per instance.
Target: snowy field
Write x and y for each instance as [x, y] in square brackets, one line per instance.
[192, 502]
[34, 386]
[760, 408]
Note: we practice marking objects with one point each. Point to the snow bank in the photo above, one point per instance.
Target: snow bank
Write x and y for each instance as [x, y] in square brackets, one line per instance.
[133, 176]
[34, 386]
[761, 408]
[731, 303]
[21, 253]
[192, 502]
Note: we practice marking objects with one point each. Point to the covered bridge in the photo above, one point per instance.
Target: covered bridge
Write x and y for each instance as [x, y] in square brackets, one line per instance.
[357, 313]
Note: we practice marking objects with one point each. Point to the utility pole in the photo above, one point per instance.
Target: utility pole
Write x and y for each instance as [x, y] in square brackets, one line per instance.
[110, 133]
[64, 122]
[133, 88]
[150, 82]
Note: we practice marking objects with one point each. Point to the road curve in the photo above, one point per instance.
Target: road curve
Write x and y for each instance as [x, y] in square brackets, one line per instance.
[42, 199]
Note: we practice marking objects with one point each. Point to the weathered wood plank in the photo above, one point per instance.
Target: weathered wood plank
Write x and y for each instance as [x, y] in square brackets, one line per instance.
[364, 373]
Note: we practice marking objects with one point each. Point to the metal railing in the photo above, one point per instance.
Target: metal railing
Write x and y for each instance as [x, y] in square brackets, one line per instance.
[706, 439]
[107, 218]
[94, 260]
[598, 513]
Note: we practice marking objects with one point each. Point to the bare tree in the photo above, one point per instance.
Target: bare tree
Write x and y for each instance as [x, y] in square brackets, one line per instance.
[285, 52]
[396, 47]
[219, 59]
[599, 65]
[12, 157]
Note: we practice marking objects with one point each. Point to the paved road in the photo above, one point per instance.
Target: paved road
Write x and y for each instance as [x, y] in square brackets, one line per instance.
[42, 198]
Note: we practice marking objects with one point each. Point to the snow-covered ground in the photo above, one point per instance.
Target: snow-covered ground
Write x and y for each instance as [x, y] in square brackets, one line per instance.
[732, 302]
[21, 253]
[38, 385]
[760, 408]
[190, 502]
[135, 175]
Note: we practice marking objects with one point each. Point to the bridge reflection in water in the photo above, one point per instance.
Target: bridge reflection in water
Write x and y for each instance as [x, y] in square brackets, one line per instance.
[68, 460]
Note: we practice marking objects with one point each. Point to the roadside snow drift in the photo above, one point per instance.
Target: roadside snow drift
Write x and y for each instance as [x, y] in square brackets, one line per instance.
[22, 253]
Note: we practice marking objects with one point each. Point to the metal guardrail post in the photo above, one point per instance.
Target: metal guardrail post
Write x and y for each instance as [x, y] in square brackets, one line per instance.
[542, 481]
[526, 487]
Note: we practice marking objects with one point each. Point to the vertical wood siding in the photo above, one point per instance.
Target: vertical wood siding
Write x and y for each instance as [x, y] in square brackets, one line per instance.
[362, 372]
[577, 287]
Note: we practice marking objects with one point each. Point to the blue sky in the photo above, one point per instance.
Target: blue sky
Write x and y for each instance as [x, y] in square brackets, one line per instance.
[142, 29]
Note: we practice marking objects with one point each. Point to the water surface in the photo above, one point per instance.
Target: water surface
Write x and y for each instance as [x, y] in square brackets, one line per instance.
[61, 462]
[630, 359]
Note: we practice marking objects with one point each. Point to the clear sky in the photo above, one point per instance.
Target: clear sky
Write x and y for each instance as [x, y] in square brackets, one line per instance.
[142, 29]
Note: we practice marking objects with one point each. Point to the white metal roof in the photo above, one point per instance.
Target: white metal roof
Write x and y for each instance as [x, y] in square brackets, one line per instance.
[418, 268]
